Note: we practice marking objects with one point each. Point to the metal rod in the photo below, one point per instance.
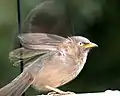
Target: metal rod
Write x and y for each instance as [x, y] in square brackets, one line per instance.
[19, 30]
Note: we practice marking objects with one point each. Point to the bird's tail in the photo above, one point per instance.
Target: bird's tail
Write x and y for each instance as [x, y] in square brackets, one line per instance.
[18, 86]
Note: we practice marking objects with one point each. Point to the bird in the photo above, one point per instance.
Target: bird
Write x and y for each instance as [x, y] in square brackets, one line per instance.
[50, 61]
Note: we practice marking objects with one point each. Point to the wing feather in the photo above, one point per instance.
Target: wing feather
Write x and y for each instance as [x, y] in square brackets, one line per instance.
[40, 41]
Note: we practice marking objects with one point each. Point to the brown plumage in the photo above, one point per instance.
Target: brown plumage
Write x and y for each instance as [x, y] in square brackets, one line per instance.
[61, 61]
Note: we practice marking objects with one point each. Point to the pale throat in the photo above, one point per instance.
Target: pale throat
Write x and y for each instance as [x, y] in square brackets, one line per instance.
[82, 57]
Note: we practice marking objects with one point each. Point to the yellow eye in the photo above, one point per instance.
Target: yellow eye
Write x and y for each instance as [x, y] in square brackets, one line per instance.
[81, 44]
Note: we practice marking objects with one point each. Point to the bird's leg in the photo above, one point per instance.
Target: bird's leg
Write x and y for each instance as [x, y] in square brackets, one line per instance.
[57, 92]
[55, 89]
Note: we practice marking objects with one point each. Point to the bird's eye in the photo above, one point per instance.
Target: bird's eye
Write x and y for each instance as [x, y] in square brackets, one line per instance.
[80, 43]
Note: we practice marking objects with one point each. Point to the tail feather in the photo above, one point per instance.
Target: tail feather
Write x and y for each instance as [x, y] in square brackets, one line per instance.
[18, 86]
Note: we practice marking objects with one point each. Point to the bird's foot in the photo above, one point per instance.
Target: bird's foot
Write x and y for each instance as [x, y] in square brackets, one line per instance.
[61, 93]
[58, 92]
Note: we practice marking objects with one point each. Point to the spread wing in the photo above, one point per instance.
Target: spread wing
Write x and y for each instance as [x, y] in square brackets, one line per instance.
[22, 54]
[40, 41]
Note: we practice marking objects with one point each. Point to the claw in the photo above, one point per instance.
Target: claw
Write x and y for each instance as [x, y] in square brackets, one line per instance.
[59, 94]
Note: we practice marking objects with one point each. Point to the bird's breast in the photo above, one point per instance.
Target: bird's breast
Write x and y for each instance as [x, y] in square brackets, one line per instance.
[57, 72]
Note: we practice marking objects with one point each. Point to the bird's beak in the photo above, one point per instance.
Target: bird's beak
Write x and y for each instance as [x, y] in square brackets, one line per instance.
[90, 45]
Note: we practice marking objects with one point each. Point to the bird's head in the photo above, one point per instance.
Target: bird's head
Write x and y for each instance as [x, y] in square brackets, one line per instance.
[80, 48]
[77, 46]
[83, 43]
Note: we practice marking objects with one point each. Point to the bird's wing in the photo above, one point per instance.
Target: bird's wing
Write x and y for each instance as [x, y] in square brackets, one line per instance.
[22, 54]
[40, 41]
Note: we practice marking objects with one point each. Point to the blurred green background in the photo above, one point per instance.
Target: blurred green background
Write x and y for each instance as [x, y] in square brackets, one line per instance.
[98, 20]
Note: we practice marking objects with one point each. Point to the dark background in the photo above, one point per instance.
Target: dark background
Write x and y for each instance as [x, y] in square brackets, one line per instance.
[97, 20]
